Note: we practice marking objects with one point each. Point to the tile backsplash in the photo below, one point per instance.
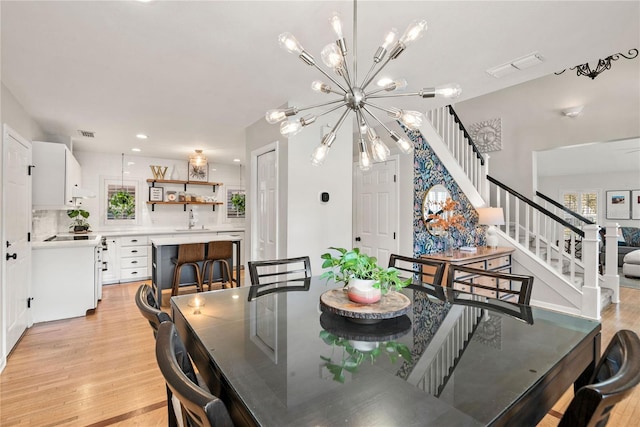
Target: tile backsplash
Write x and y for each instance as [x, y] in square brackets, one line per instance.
[45, 223]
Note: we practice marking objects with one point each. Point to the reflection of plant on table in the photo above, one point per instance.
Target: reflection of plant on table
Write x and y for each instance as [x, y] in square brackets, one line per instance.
[352, 356]
[356, 265]
[79, 220]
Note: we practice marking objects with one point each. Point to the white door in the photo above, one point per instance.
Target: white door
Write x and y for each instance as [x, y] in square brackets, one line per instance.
[16, 227]
[377, 211]
[267, 209]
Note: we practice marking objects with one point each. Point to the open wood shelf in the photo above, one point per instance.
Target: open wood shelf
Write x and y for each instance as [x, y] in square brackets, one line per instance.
[184, 203]
[175, 181]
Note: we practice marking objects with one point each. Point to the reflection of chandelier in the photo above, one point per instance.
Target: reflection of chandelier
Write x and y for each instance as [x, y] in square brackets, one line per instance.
[603, 64]
[353, 95]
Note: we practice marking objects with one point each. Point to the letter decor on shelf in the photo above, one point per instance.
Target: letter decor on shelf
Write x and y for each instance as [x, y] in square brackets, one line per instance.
[158, 171]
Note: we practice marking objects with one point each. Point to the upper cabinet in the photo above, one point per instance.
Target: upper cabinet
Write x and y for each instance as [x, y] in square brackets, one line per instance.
[55, 175]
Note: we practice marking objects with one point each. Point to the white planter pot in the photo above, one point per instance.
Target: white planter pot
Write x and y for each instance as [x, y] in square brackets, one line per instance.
[363, 292]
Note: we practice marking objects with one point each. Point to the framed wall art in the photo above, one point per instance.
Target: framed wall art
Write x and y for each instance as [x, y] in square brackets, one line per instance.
[618, 204]
[635, 204]
[198, 171]
[156, 194]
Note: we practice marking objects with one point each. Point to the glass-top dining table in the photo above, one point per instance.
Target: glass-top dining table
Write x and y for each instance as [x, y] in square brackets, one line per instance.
[283, 359]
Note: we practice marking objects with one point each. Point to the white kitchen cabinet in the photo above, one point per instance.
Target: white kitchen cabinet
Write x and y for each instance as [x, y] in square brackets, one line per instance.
[55, 175]
[133, 258]
[63, 282]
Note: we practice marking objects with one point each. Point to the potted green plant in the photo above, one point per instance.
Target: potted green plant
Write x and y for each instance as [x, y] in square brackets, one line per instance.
[79, 222]
[122, 204]
[365, 280]
[237, 200]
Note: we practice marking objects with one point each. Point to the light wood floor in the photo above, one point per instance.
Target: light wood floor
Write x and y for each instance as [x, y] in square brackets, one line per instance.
[100, 370]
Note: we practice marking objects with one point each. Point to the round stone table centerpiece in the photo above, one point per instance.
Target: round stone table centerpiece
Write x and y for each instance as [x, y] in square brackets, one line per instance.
[392, 304]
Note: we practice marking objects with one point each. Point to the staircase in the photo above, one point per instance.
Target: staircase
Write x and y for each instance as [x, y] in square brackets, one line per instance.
[563, 258]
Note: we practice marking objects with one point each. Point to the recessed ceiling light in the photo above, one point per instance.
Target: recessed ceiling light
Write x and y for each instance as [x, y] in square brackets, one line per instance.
[141, 136]
[131, 163]
[236, 160]
[137, 150]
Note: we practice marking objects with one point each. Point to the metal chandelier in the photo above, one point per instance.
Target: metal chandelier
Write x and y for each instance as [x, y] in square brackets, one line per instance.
[353, 94]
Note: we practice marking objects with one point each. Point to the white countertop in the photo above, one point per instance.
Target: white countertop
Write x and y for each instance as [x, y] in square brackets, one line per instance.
[93, 240]
[199, 238]
[161, 231]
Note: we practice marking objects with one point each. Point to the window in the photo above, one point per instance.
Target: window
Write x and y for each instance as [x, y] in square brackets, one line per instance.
[120, 198]
[235, 203]
[583, 203]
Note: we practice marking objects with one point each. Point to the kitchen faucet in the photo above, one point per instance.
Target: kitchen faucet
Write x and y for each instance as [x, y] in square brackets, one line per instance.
[192, 220]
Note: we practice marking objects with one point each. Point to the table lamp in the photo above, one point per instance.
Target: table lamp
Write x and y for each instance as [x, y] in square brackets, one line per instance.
[491, 217]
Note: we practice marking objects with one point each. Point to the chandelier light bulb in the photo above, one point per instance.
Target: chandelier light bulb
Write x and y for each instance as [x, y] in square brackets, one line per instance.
[275, 116]
[320, 87]
[365, 161]
[389, 38]
[336, 24]
[451, 90]
[391, 85]
[380, 150]
[403, 145]
[411, 119]
[289, 43]
[414, 32]
[290, 128]
[331, 56]
[319, 154]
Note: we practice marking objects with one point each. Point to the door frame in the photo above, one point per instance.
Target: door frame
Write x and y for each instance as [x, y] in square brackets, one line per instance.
[396, 226]
[253, 178]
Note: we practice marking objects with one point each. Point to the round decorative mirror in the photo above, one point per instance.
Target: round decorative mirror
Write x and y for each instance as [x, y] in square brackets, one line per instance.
[432, 204]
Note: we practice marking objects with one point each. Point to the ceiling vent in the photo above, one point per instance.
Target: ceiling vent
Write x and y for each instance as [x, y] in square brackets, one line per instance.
[517, 64]
[87, 133]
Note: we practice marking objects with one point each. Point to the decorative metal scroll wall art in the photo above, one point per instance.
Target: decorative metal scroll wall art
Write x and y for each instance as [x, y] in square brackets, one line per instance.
[603, 64]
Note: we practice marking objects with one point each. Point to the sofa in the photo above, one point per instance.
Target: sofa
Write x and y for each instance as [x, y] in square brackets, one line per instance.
[628, 241]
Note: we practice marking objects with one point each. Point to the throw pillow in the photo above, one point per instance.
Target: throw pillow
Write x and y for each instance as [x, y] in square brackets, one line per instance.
[631, 236]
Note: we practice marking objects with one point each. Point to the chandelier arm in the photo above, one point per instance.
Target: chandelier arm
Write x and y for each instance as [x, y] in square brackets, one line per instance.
[320, 105]
[394, 95]
[347, 77]
[327, 75]
[381, 108]
[376, 119]
[341, 120]
[373, 66]
[373, 76]
[331, 110]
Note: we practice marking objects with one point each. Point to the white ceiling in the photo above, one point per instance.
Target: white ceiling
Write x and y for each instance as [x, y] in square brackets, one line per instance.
[196, 74]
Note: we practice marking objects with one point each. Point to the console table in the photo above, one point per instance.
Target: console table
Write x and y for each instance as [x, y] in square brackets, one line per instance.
[491, 259]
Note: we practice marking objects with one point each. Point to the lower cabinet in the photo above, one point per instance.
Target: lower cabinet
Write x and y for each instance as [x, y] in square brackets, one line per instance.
[133, 251]
[110, 262]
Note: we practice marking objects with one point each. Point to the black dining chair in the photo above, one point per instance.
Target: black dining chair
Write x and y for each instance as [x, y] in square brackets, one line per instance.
[615, 377]
[424, 272]
[198, 407]
[285, 272]
[148, 306]
[493, 284]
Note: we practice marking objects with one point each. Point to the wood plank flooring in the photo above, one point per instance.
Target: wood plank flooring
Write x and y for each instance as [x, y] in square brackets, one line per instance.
[100, 370]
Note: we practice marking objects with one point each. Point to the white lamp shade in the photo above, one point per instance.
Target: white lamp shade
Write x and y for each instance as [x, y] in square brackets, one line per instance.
[490, 216]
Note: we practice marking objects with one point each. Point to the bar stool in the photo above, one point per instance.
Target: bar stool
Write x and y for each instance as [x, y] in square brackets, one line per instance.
[218, 251]
[188, 254]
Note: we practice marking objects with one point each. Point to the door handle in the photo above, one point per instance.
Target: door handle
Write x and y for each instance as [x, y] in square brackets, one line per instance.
[14, 256]
[358, 239]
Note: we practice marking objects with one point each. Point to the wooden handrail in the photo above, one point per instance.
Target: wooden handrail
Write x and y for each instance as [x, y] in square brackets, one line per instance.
[564, 208]
[466, 134]
[536, 206]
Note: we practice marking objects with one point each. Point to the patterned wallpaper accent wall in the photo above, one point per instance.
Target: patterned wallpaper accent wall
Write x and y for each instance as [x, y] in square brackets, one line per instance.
[429, 171]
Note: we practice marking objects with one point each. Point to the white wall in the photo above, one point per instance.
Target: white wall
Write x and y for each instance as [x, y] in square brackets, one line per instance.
[628, 180]
[97, 166]
[307, 226]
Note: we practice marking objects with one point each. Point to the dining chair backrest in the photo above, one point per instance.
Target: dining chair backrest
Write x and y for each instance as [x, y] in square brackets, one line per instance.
[615, 377]
[423, 271]
[148, 306]
[493, 284]
[198, 406]
[279, 271]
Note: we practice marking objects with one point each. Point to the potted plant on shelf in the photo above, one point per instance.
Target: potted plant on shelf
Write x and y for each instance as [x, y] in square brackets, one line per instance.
[79, 222]
[365, 280]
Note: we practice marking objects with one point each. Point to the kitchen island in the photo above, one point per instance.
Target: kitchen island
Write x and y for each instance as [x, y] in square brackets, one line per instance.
[165, 248]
